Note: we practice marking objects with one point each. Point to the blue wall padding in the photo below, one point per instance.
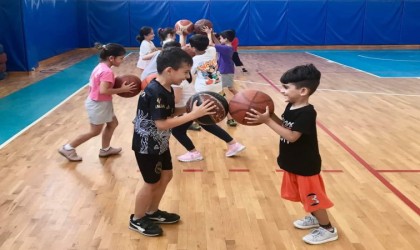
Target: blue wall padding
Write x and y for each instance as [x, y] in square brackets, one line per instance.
[42, 29]
[345, 20]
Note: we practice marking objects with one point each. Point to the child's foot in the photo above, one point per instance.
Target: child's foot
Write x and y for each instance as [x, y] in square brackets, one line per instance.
[109, 152]
[190, 156]
[145, 226]
[234, 149]
[244, 70]
[308, 222]
[71, 154]
[163, 217]
[320, 236]
[194, 126]
[231, 123]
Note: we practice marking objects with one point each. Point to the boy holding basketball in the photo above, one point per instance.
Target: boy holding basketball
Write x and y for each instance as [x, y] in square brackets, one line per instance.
[156, 115]
[299, 154]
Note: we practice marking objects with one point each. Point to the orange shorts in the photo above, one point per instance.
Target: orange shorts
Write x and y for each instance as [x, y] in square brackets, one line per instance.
[309, 190]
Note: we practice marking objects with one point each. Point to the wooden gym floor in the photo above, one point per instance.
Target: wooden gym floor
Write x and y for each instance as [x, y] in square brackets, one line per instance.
[368, 131]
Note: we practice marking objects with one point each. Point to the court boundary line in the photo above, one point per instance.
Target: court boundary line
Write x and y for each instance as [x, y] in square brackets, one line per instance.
[46, 114]
[361, 161]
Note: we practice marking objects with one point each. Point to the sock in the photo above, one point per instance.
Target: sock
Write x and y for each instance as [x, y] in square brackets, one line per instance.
[150, 213]
[106, 149]
[328, 227]
[135, 217]
[68, 147]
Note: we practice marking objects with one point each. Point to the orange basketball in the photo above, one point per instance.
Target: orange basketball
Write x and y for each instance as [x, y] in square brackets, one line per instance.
[246, 100]
[185, 25]
[221, 106]
[147, 80]
[119, 80]
[200, 24]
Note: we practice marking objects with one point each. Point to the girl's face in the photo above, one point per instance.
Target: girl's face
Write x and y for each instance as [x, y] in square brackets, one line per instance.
[150, 36]
[116, 60]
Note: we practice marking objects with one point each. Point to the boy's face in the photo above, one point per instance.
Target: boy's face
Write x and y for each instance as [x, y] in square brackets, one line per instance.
[290, 92]
[223, 40]
[177, 76]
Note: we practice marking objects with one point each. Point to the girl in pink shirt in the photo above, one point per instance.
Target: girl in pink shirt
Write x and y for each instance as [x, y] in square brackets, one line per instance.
[99, 103]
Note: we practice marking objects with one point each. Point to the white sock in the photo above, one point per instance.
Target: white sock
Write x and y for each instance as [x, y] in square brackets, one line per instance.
[106, 149]
[68, 147]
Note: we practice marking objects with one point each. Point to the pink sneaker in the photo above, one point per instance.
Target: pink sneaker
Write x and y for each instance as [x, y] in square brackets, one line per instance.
[71, 155]
[190, 156]
[109, 152]
[234, 149]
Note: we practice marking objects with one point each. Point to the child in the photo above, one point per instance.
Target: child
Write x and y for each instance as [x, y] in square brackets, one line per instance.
[299, 154]
[166, 35]
[207, 79]
[156, 115]
[225, 62]
[147, 48]
[235, 57]
[99, 103]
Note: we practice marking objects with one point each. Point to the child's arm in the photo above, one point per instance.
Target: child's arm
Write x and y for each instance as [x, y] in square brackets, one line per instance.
[212, 38]
[198, 111]
[182, 37]
[104, 88]
[274, 122]
[179, 111]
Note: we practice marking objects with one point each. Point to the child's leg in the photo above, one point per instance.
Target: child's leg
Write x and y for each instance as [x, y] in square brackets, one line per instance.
[180, 133]
[322, 217]
[108, 132]
[165, 178]
[144, 199]
[95, 130]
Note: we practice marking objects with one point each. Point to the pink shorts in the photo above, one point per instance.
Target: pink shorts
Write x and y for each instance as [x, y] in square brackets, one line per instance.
[309, 190]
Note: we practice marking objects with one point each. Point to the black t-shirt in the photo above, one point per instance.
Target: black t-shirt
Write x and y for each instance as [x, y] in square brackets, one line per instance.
[302, 156]
[155, 103]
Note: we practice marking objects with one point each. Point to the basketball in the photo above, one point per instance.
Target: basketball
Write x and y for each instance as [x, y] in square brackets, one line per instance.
[147, 80]
[220, 102]
[200, 24]
[185, 25]
[246, 100]
[119, 80]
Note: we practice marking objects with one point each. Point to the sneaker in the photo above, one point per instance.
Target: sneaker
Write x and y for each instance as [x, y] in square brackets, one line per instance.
[194, 126]
[163, 217]
[308, 222]
[234, 149]
[190, 156]
[145, 226]
[71, 155]
[231, 123]
[109, 152]
[320, 236]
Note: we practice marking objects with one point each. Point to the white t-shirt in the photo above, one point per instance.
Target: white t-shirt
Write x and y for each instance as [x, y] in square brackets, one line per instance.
[145, 48]
[206, 68]
[151, 67]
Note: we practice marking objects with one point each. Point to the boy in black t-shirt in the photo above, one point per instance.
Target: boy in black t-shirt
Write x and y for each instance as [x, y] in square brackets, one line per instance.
[299, 154]
[156, 115]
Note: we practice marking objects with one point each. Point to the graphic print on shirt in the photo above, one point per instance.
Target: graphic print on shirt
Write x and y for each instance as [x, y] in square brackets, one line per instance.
[209, 72]
[288, 125]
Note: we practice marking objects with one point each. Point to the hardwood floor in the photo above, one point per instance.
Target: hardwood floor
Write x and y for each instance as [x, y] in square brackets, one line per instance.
[368, 135]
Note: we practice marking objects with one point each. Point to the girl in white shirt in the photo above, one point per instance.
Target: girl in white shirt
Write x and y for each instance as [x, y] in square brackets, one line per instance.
[147, 48]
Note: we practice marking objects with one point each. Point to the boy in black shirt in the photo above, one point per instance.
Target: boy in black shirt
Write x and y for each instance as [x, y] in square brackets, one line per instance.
[299, 154]
[156, 115]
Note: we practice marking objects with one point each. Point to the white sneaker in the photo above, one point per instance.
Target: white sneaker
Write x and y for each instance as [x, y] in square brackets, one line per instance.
[234, 149]
[320, 236]
[190, 156]
[308, 222]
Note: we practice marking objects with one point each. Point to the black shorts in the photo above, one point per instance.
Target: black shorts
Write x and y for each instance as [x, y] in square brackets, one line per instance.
[236, 60]
[151, 166]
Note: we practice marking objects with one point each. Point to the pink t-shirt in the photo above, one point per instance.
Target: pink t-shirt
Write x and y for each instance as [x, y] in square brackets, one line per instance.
[101, 73]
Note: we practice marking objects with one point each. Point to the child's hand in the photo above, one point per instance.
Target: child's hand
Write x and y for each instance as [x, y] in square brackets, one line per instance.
[204, 109]
[207, 29]
[257, 117]
[180, 31]
[128, 87]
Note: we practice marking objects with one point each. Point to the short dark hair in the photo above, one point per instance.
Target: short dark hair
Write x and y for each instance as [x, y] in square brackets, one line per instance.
[200, 42]
[228, 34]
[303, 76]
[172, 57]
[110, 49]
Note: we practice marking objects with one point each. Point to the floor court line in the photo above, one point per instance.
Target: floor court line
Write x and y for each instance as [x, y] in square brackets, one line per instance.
[359, 159]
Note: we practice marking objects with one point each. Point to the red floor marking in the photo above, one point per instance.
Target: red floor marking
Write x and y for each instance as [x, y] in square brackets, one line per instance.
[398, 171]
[192, 170]
[325, 171]
[375, 173]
